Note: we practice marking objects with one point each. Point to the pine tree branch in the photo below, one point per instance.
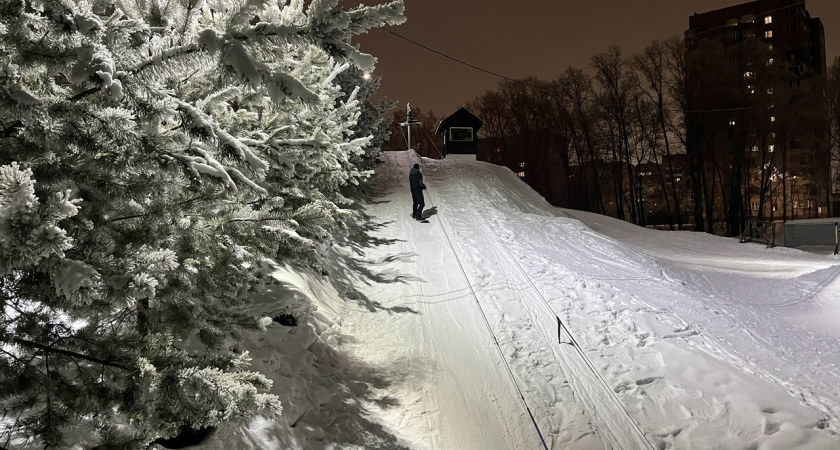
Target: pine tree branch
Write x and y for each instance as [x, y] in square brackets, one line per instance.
[9, 429]
[9, 130]
[190, 76]
[58, 392]
[86, 93]
[30, 52]
[265, 219]
[128, 217]
[165, 55]
[49, 348]
[15, 357]
[198, 197]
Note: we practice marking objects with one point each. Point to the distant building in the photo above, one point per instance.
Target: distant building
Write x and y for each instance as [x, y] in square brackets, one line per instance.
[666, 187]
[768, 141]
[792, 36]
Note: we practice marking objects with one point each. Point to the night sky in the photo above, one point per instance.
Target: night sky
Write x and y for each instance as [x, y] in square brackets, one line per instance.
[541, 38]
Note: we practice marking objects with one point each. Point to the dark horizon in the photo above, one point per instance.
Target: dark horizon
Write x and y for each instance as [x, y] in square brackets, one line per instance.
[542, 40]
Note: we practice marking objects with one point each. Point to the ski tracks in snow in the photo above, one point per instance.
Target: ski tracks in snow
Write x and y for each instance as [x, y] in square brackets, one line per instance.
[480, 251]
[459, 394]
[571, 405]
[597, 285]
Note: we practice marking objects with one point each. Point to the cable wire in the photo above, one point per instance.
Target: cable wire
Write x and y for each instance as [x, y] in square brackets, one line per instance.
[513, 80]
[433, 142]
[404, 138]
[459, 61]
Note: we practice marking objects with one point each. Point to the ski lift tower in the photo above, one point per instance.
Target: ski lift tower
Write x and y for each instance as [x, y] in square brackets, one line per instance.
[409, 122]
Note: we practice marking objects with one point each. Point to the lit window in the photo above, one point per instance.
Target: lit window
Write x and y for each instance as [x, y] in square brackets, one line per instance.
[769, 91]
[522, 165]
[772, 118]
[521, 174]
[770, 47]
[754, 148]
[770, 62]
[749, 75]
[771, 148]
[768, 20]
[731, 122]
[678, 179]
[461, 134]
[768, 34]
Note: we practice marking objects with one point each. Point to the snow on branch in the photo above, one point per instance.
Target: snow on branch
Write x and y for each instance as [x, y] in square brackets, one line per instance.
[207, 123]
[20, 96]
[162, 56]
[283, 84]
[244, 64]
[254, 186]
[264, 29]
[207, 165]
[336, 71]
[366, 18]
[361, 60]
[300, 142]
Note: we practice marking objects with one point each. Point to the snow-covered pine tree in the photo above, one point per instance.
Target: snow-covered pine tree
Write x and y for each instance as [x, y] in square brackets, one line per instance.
[372, 120]
[152, 155]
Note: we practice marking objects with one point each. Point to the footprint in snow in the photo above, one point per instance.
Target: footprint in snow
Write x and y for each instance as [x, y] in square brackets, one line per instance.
[646, 381]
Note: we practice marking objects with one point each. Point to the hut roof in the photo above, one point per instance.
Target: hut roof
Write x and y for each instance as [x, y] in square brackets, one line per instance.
[460, 118]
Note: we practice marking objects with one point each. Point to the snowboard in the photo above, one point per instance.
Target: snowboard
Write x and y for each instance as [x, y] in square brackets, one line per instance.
[421, 221]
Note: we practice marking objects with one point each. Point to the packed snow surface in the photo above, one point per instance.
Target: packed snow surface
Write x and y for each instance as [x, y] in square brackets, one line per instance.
[506, 323]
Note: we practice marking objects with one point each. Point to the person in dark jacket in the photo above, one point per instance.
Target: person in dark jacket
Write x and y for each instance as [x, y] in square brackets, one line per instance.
[415, 180]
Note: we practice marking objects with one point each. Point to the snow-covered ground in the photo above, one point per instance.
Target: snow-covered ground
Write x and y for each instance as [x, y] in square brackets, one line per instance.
[444, 335]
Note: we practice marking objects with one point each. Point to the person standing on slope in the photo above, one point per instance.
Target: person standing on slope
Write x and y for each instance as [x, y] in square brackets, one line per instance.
[415, 180]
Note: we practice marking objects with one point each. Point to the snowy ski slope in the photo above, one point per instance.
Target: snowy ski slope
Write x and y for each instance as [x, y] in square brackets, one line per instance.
[672, 340]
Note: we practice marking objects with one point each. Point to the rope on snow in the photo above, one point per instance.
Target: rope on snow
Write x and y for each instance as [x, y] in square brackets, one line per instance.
[490, 329]
[560, 327]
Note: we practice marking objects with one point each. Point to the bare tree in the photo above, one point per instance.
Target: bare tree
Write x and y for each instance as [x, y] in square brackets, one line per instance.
[614, 88]
[832, 104]
[706, 113]
[652, 76]
[576, 89]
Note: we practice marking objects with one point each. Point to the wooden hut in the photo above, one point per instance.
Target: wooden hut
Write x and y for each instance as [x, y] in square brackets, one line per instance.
[460, 132]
